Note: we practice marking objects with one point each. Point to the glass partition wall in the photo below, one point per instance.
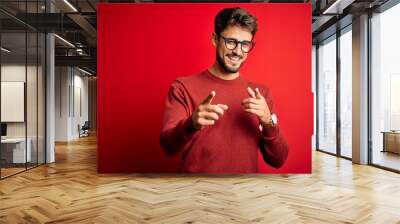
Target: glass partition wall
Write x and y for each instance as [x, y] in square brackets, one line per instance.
[22, 88]
[334, 94]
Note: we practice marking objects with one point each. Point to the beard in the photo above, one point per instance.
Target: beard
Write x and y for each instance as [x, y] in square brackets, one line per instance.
[227, 68]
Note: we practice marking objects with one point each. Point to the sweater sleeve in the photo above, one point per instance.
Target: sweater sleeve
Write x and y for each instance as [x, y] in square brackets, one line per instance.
[273, 145]
[178, 129]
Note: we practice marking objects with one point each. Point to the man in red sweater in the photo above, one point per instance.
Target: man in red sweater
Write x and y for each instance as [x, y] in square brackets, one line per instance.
[218, 120]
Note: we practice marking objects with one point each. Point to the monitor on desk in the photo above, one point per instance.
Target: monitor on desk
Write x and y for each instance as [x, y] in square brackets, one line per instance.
[3, 130]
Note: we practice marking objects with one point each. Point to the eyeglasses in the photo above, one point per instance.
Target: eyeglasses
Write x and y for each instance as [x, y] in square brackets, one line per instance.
[232, 43]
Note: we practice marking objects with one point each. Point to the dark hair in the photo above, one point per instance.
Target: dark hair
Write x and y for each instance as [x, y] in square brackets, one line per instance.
[235, 16]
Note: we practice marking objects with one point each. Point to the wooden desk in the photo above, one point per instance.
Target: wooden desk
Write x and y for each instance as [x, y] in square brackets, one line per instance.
[391, 141]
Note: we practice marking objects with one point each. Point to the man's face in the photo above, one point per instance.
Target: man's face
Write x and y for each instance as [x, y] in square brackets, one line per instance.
[231, 60]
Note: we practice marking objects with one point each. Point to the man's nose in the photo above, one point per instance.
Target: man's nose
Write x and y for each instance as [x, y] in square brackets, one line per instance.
[238, 49]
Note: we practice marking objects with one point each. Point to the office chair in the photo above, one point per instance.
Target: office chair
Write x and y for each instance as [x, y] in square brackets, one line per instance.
[84, 130]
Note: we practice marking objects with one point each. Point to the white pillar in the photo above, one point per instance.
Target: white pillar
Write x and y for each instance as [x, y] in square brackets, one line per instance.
[50, 91]
[360, 89]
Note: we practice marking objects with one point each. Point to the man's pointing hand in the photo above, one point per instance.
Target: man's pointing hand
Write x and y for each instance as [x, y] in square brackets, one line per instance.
[206, 114]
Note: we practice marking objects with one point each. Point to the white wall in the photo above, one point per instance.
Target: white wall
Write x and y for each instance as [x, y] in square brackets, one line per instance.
[12, 73]
[81, 84]
[16, 73]
[71, 93]
[62, 81]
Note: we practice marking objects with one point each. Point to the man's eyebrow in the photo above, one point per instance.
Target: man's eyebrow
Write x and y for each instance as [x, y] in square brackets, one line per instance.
[232, 38]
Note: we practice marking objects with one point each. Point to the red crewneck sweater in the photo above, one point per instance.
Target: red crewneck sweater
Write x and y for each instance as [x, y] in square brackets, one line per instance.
[231, 145]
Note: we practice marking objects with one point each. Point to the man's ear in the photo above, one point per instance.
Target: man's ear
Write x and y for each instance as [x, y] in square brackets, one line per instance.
[214, 40]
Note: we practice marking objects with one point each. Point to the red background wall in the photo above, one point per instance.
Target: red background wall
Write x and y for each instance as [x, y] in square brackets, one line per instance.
[142, 48]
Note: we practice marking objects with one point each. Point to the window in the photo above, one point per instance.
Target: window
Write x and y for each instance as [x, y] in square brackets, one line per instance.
[327, 95]
[385, 88]
[346, 93]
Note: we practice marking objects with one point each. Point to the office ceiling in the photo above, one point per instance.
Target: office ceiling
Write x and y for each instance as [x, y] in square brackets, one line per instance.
[76, 22]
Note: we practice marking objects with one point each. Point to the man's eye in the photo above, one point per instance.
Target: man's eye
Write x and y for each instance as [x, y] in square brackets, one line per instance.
[231, 41]
[246, 43]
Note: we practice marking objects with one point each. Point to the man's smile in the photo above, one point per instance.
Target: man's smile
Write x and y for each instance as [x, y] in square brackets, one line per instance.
[234, 59]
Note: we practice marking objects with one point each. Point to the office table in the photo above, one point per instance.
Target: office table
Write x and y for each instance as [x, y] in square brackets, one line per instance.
[13, 150]
[391, 141]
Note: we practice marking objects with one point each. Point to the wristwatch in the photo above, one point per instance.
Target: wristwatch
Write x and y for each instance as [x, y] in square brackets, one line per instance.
[274, 120]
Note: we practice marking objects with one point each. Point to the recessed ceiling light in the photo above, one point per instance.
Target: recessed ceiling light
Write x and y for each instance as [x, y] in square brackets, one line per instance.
[338, 6]
[64, 40]
[70, 5]
[84, 71]
[5, 50]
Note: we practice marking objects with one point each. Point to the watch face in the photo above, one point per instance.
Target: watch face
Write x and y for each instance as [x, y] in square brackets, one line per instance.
[274, 119]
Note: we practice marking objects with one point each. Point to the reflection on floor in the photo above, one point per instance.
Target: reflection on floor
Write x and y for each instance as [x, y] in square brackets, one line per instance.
[71, 191]
[11, 169]
[387, 159]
